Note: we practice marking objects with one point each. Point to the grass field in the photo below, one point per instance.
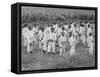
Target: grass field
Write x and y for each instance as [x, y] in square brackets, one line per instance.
[39, 61]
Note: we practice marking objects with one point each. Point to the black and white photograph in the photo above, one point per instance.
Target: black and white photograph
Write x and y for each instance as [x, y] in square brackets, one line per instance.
[57, 38]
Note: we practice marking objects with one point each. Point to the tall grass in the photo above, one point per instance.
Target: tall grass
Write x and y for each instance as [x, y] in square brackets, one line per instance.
[37, 17]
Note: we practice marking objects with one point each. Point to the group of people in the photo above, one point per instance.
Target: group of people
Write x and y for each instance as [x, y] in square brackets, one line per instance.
[58, 38]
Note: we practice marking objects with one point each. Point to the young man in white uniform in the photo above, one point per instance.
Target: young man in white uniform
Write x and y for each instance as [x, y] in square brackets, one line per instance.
[90, 43]
[51, 41]
[55, 26]
[89, 30]
[30, 39]
[58, 34]
[66, 26]
[62, 44]
[24, 31]
[40, 34]
[66, 29]
[72, 27]
[72, 42]
[82, 32]
[35, 32]
[45, 38]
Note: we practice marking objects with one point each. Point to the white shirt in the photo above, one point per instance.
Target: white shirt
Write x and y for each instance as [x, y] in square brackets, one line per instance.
[82, 30]
[24, 31]
[40, 34]
[71, 40]
[72, 27]
[59, 30]
[30, 35]
[52, 36]
[90, 40]
[62, 41]
[66, 27]
[89, 30]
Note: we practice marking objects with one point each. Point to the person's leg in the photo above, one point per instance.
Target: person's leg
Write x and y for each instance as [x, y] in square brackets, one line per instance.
[28, 47]
[72, 50]
[83, 39]
[40, 44]
[49, 47]
[25, 42]
[61, 51]
[91, 49]
[64, 51]
[44, 46]
[53, 47]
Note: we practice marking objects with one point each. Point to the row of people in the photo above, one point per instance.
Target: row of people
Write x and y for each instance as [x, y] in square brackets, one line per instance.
[57, 37]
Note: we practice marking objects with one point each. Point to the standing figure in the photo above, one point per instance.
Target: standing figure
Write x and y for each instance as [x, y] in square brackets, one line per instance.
[82, 33]
[55, 26]
[51, 41]
[59, 30]
[77, 33]
[24, 32]
[40, 34]
[62, 44]
[90, 43]
[66, 27]
[72, 42]
[30, 38]
[35, 32]
[89, 30]
[44, 40]
[72, 27]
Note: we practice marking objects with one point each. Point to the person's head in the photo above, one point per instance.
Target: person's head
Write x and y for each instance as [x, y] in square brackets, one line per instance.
[74, 25]
[70, 34]
[63, 33]
[86, 22]
[51, 25]
[73, 22]
[65, 23]
[59, 25]
[42, 29]
[81, 25]
[30, 27]
[52, 29]
[63, 28]
[90, 34]
[88, 25]
[69, 26]
[48, 25]
[80, 21]
[35, 25]
[25, 25]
